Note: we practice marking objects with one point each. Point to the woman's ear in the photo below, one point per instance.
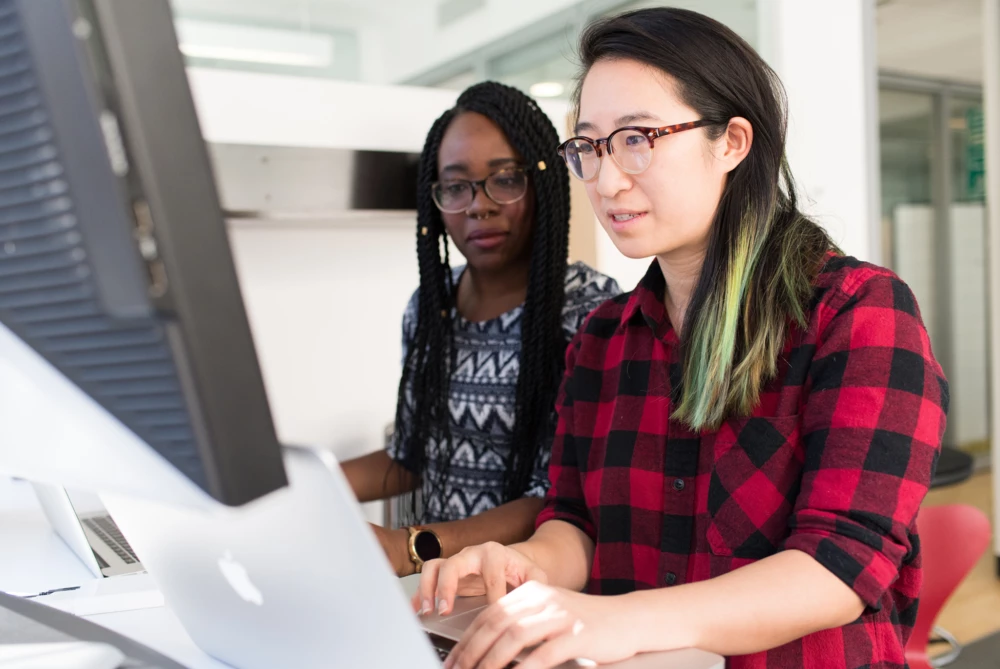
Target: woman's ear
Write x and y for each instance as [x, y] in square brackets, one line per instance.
[735, 143]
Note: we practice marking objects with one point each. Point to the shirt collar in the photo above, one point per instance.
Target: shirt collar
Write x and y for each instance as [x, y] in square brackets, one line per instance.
[646, 301]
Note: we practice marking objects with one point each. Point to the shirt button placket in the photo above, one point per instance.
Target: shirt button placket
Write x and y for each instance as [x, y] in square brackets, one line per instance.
[670, 563]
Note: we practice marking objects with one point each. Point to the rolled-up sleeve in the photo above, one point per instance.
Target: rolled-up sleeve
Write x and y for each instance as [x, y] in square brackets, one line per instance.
[872, 427]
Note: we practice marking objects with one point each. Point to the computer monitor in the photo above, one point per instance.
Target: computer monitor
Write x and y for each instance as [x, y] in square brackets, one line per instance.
[126, 359]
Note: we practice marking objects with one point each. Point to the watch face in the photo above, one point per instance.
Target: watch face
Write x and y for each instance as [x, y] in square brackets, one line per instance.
[427, 546]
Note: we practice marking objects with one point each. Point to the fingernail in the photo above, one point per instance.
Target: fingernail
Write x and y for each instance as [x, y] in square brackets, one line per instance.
[449, 661]
[442, 605]
[425, 607]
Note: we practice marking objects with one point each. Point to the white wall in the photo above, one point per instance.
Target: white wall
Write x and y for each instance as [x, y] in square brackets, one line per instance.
[824, 52]
[263, 109]
[970, 410]
[913, 232]
[325, 304]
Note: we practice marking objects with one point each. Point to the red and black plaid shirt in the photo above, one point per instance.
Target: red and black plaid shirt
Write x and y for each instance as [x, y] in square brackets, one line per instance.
[834, 462]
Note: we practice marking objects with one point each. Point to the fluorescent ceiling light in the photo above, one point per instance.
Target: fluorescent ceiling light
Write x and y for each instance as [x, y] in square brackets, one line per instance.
[250, 44]
[547, 89]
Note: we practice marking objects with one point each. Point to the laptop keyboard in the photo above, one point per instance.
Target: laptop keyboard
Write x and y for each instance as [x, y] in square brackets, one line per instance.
[109, 533]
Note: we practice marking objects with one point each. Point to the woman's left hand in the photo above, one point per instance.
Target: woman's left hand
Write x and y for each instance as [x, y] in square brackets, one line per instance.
[564, 625]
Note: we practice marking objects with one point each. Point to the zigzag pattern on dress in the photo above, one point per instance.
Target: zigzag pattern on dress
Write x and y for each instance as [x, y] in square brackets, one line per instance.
[480, 367]
[482, 416]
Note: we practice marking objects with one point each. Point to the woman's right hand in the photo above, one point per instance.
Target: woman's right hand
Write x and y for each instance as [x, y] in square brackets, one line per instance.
[490, 569]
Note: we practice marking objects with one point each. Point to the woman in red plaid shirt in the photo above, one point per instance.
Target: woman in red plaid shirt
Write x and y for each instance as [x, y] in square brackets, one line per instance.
[744, 440]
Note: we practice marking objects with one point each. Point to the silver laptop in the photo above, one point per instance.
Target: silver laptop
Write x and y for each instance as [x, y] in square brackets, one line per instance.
[296, 579]
[92, 536]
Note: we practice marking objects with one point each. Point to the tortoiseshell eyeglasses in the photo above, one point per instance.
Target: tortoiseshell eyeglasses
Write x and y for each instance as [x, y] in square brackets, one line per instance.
[631, 148]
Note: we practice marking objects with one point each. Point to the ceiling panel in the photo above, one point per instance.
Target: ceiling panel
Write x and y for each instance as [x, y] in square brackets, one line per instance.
[941, 39]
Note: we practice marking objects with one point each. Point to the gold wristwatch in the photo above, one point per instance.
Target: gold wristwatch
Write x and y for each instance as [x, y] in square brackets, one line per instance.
[424, 545]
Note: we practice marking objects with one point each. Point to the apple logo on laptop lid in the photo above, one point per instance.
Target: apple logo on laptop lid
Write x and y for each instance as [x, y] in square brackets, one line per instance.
[239, 579]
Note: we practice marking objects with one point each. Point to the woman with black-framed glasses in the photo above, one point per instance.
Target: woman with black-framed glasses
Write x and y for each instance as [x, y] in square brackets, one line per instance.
[484, 343]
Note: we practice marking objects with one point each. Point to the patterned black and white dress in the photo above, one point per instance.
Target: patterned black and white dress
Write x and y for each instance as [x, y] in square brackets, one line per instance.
[482, 397]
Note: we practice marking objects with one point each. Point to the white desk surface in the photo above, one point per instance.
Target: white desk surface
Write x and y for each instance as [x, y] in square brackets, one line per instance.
[34, 560]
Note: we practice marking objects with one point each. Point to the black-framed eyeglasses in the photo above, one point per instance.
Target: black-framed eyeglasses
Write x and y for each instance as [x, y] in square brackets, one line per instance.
[505, 186]
[631, 148]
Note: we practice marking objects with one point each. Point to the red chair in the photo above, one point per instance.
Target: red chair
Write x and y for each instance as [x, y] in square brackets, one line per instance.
[952, 539]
